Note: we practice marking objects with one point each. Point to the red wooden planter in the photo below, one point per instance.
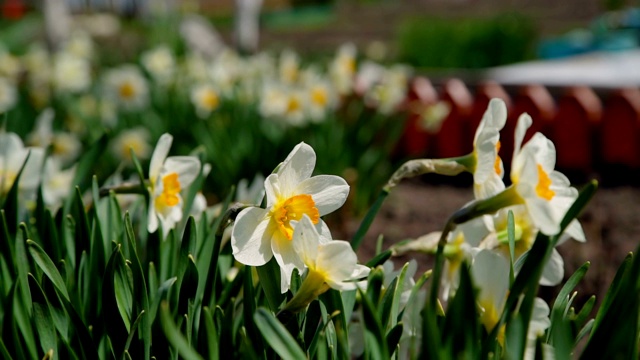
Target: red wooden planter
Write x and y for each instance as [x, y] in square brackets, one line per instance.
[415, 141]
[573, 131]
[620, 131]
[450, 141]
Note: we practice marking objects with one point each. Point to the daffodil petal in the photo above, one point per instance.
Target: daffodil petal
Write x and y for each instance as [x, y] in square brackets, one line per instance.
[152, 217]
[250, 240]
[544, 215]
[159, 155]
[286, 257]
[574, 230]
[329, 192]
[30, 178]
[337, 261]
[553, 271]
[298, 166]
[523, 124]
[187, 168]
[306, 241]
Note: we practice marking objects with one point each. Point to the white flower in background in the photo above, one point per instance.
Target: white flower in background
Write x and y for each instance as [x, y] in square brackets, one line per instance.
[168, 176]
[546, 193]
[205, 98]
[12, 157]
[65, 146]
[98, 24]
[389, 91]
[295, 112]
[71, 73]
[226, 71]
[368, 75]
[79, 45]
[160, 64]
[56, 183]
[342, 69]
[39, 71]
[284, 104]
[136, 139]
[489, 170]
[128, 87]
[260, 234]
[321, 100]
[289, 67]
[195, 67]
[8, 95]
[251, 193]
[10, 66]
[432, 116]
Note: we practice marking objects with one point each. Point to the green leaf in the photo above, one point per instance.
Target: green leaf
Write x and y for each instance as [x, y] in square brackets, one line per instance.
[188, 286]
[140, 290]
[375, 342]
[116, 308]
[393, 337]
[48, 267]
[174, 336]
[42, 318]
[379, 259]
[10, 204]
[511, 234]
[269, 276]
[277, 336]
[212, 338]
[561, 300]
[6, 246]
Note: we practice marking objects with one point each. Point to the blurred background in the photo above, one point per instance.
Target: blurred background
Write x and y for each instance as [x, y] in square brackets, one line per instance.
[573, 65]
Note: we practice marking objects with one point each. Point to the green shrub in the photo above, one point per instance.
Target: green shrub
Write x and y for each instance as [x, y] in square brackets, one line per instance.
[466, 43]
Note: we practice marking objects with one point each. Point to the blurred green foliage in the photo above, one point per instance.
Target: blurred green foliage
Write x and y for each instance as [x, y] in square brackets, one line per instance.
[471, 43]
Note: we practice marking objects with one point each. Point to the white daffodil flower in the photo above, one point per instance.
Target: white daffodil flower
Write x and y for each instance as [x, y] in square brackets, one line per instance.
[329, 264]
[525, 233]
[13, 155]
[168, 176]
[490, 274]
[333, 263]
[546, 193]
[71, 73]
[260, 234]
[489, 170]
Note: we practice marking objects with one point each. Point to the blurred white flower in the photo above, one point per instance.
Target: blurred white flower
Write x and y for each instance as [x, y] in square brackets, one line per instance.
[10, 66]
[128, 87]
[289, 67]
[205, 99]
[13, 155]
[56, 183]
[136, 139]
[71, 73]
[342, 69]
[79, 45]
[65, 146]
[8, 95]
[160, 64]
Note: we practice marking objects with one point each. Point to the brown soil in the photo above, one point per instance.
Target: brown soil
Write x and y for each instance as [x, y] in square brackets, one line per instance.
[610, 221]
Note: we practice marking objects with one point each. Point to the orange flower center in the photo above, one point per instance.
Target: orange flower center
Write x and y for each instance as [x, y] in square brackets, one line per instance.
[292, 209]
[498, 162]
[170, 191]
[544, 182]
